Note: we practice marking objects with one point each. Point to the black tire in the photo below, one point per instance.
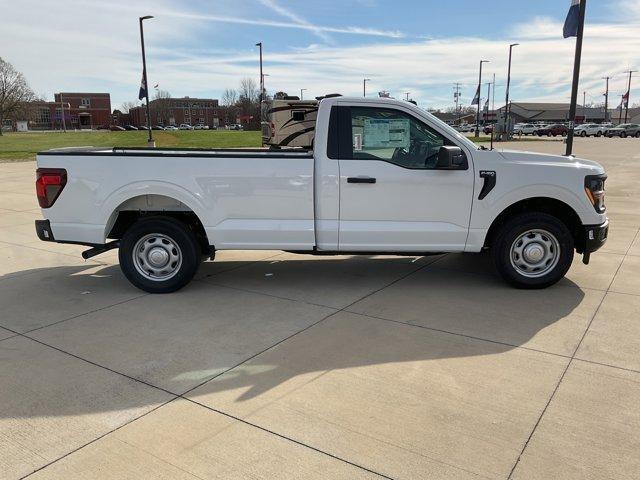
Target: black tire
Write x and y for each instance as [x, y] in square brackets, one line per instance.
[599, 134]
[583, 133]
[180, 240]
[623, 135]
[638, 134]
[516, 227]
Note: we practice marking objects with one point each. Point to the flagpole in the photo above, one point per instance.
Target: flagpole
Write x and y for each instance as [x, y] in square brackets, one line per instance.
[144, 77]
[576, 77]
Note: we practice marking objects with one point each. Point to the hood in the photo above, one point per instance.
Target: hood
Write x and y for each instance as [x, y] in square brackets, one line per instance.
[516, 156]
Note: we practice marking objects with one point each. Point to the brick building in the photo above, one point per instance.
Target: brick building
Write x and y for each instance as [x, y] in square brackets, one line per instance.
[175, 111]
[81, 111]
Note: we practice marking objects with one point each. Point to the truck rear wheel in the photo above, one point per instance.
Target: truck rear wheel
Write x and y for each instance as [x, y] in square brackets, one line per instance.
[533, 250]
[159, 254]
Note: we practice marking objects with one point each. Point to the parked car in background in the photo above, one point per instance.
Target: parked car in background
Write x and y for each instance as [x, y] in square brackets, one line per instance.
[185, 126]
[487, 129]
[554, 130]
[235, 126]
[463, 128]
[116, 128]
[589, 129]
[130, 127]
[200, 126]
[524, 129]
[624, 130]
[157, 127]
[171, 128]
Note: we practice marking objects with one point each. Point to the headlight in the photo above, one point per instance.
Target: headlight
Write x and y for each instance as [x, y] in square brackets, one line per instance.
[594, 188]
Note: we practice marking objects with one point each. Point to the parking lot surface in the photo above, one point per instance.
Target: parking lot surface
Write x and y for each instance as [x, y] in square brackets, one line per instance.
[275, 365]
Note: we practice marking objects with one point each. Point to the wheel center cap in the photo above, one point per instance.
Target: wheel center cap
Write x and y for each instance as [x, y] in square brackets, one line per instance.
[533, 253]
[158, 257]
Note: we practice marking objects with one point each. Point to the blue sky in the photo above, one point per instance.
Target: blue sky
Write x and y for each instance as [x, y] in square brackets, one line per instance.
[201, 47]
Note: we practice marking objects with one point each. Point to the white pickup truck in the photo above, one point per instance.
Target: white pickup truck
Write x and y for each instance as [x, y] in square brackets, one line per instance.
[384, 177]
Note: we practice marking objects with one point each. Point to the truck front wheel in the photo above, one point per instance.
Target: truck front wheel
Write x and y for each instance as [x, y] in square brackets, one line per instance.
[159, 254]
[533, 250]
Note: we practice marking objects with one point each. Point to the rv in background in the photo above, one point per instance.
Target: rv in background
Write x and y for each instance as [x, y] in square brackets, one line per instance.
[291, 122]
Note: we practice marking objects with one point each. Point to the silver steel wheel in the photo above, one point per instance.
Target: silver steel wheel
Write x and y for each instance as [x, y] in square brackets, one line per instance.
[157, 257]
[535, 253]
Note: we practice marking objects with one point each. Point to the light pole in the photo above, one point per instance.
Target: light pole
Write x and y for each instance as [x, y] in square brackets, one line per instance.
[606, 98]
[478, 110]
[259, 45]
[584, 106]
[626, 108]
[364, 86]
[407, 96]
[150, 142]
[506, 102]
[301, 92]
[64, 123]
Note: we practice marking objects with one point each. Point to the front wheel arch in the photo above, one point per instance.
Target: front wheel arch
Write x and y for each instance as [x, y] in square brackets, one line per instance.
[549, 206]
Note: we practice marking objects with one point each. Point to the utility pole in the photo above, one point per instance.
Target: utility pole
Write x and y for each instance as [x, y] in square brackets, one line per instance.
[364, 86]
[456, 96]
[407, 96]
[301, 90]
[64, 123]
[259, 45]
[477, 134]
[606, 99]
[507, 105]
[576, 76]
[584, 106]
[150, 142]
[626, 108]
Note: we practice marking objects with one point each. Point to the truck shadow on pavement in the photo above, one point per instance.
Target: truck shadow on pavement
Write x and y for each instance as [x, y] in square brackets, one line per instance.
[244, 333]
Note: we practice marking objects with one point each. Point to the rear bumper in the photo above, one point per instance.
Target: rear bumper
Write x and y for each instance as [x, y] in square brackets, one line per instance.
[43, 229]
[595, 236]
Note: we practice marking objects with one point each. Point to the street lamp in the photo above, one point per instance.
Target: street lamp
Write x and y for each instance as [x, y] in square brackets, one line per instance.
[302, 90]
[151, 143]
[364, 86]
[506, 103]
[478, 110]
[259, 45]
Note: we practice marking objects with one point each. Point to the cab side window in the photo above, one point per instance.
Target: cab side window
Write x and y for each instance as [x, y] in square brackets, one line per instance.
[395, 137]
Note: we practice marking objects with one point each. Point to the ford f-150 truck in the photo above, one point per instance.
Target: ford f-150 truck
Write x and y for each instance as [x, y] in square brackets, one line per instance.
[384, 176]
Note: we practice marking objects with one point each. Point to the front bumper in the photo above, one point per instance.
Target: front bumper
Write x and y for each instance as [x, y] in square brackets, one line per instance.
[595, 236]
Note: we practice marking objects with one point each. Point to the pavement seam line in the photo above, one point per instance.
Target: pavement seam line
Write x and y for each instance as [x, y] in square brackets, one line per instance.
[98, 438]
[569, 363]
[175, 396]
[284, 437]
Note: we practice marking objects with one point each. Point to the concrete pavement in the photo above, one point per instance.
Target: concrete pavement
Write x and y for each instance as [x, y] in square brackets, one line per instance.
[274, 365]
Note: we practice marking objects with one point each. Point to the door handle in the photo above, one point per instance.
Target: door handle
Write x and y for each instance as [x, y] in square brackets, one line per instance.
[361, 180]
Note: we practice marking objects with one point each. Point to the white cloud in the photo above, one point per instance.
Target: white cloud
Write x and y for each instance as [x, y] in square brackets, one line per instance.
[95, 50]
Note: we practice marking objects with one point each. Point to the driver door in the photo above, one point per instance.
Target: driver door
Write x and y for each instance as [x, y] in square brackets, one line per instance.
[392, 195]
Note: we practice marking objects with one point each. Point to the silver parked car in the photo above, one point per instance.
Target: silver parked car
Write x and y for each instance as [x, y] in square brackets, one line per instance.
[624, 130]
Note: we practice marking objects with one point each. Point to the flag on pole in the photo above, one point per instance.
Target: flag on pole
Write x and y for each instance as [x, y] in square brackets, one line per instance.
[143, 89]
[486, 106]
[625, 100]
[573, 19]
[476, 97]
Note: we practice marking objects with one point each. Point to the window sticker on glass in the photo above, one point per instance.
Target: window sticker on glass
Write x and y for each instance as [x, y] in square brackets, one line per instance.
[386, 133]
[357, 142]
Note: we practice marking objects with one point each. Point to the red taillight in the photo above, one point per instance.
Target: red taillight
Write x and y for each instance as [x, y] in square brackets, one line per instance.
[49, 185]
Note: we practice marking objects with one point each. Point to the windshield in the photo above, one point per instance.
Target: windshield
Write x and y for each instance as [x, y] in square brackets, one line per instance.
[451, 131]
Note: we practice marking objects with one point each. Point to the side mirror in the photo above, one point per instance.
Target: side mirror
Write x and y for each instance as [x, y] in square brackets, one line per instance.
[451, 158]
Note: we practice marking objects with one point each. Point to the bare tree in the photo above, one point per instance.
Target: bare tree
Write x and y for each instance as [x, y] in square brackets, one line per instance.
[161, 110]
[229, 97]
[15, 92]
[249, 102]
[248, 91]
[127, 106]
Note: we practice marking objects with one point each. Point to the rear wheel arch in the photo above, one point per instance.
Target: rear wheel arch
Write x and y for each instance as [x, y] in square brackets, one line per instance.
[153, 205]
[550, 206]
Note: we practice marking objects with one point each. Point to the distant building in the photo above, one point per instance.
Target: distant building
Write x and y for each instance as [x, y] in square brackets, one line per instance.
[176, 111]
[80, 110]
[522, 112]
[453, 118]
